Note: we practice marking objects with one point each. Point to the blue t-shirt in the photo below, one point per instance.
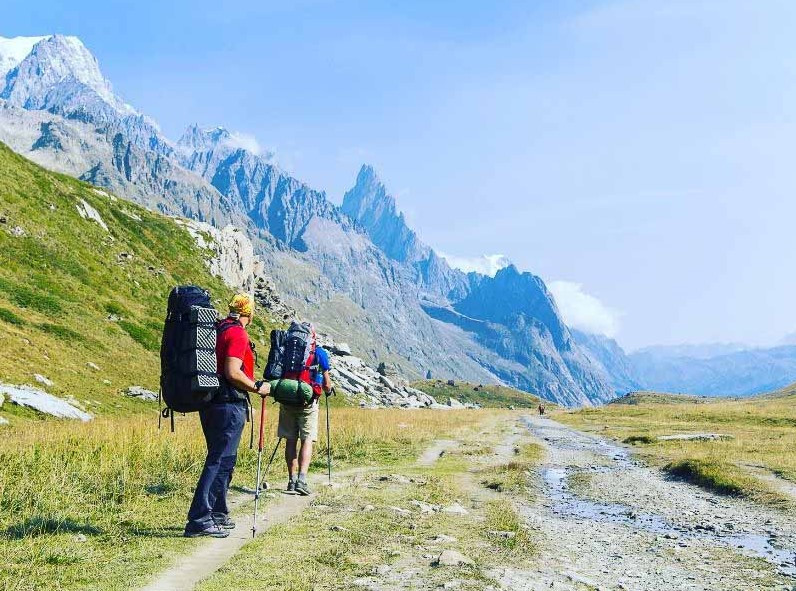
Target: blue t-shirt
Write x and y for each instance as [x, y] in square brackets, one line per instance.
[322, 359]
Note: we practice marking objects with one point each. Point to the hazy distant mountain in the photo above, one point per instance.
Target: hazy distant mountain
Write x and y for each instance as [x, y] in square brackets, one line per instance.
[707, 370]
[606, 353]
[693, 351]
[360, 269]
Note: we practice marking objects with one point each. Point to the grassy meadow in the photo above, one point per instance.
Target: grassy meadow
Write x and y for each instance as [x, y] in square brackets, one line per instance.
[374, 522]
[103, 504]
[763, 430]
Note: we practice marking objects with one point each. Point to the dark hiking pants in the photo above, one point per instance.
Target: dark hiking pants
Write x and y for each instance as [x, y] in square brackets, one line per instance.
[222, 425]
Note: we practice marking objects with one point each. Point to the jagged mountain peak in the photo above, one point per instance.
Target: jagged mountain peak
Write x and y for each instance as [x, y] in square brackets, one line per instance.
[202, 139]
[370, 205]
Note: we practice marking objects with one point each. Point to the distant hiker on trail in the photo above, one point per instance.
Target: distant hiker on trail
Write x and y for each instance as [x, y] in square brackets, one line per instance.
[223, 421]
[300, 368]
[541, 409]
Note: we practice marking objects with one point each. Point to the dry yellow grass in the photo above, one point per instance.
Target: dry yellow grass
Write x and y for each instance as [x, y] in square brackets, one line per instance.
[105, 501]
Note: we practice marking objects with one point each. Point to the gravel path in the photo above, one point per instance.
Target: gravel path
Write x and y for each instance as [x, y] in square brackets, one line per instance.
[609, 522]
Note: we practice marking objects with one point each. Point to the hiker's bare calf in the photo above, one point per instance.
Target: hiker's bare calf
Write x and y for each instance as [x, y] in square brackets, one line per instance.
[298, 460]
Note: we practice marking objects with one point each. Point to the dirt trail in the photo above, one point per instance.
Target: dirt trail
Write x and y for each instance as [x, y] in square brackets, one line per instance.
[608, 522]
[212, 554]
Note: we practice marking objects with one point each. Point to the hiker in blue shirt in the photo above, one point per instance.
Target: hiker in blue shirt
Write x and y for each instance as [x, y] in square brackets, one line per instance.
[302, 423]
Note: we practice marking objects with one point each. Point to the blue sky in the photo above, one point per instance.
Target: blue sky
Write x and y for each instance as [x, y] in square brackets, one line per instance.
[643, 150]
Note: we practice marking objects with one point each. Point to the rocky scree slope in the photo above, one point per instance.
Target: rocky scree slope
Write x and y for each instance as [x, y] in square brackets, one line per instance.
[363, 264]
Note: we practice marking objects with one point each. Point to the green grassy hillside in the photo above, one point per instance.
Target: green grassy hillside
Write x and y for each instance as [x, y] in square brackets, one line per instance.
[72, 293]
[488, 396]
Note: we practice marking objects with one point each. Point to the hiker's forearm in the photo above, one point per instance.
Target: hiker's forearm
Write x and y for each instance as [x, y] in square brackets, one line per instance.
[240, 381]
[327, 381]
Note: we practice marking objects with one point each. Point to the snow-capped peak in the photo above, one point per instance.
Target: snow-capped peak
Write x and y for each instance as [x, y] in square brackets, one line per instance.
[14, 50]
[59, 71]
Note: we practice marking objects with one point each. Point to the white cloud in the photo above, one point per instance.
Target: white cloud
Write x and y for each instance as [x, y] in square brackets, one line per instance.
[582, 310]
[486, 264]
[245, 141]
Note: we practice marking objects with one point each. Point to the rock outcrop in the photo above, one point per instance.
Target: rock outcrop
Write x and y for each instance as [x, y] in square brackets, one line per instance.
[231, 254]
[369, 386]
[42, 402]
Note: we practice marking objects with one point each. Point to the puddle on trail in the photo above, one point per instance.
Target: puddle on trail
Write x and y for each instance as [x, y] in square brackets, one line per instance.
[567, 503]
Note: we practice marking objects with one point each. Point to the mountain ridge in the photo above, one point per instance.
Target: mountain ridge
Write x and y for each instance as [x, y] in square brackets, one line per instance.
[361, 257]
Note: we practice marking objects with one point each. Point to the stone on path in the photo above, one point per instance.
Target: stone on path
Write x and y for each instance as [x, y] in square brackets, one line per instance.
[452, 558]
[456, 509]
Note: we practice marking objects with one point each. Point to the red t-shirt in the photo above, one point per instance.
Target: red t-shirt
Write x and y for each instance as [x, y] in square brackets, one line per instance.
[234, 342]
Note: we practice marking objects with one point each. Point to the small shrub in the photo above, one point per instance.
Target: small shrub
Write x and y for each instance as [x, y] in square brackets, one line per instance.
[9, 317]
[638, 439]
[61, 332]
[708, 474]
[144, 337]
[25, 297]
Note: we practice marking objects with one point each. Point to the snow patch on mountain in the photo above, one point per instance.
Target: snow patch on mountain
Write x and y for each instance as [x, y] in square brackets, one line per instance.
[14, 50]
[486, 264]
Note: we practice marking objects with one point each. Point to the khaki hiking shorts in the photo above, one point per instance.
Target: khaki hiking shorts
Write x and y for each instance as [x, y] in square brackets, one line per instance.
[298, 423]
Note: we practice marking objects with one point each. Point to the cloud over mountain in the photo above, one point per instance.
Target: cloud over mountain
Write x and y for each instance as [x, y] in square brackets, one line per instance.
[486, 264]
[582, 310]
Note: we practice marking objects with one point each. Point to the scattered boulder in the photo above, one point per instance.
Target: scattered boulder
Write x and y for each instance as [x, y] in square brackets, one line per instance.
[401, 511]
[92, 365]
[425, 508]
[18, 232]
[456, 509]
[451, 383]
[342, 349]
[42, 380]
[453, 403]
[3, 421]
[43, 402]
[125, 257]
[452, 558]
[87, 212]
[443, 539]
[368, 508]
[141, 393]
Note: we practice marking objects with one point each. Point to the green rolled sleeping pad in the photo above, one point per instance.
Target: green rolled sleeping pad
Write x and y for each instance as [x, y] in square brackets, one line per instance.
[292, 392]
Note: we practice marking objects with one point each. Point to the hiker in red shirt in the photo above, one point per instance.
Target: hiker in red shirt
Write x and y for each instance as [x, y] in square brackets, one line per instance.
[223, 421]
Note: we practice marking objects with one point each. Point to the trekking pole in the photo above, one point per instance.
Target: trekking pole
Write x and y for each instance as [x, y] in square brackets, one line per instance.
[259, 466]
[271, 461]
[329, 438]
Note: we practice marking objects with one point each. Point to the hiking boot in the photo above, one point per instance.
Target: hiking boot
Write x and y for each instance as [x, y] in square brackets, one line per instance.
[212, 531]
[291, 486]
[302, 488]
[223, 521]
